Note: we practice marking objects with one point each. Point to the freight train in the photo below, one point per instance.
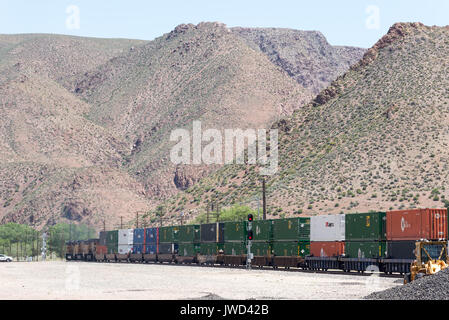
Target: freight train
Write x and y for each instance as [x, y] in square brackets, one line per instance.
[374, 241]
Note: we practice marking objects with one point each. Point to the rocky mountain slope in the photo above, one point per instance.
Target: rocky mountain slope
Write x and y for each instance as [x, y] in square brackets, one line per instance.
[85, 122]
[375, 139]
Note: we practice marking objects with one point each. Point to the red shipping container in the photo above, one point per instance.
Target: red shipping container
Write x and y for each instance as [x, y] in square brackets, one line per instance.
[416, 224]
[101, 249]
[327, 248]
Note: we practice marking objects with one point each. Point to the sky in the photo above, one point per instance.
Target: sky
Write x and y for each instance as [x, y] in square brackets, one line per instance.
[346, 22]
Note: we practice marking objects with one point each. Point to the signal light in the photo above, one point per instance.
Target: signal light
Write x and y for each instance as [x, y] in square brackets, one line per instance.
[250, 235]
[250, 217]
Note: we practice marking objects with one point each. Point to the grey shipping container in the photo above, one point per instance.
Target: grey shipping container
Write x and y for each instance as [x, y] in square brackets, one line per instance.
[103, 237]
[212, 232]
[167, 248]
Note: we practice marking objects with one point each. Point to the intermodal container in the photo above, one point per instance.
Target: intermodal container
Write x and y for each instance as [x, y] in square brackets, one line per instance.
[286, 248]
[139, 236]
[150, 248]
[168, 234]
[103, 238]
[366, 226]
[100, 249]
[366, 249]
[151, 235]
[138, 249]
[125, 236]
[189, 233]
[112, 237]
[236, 248]
[212, 232]
[188, 249]
[291, 229]
[262, 230]
[235, 231]
[208, 248]
[327, 248]
[261, 248]
[167, 248]
[125, 248]
[401, 249]
[416, 224]
[326, 228]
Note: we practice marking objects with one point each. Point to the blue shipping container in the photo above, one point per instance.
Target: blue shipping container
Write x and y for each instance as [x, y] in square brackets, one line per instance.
[138, 248]
[151, 235]
[150, 248]
[138, 236]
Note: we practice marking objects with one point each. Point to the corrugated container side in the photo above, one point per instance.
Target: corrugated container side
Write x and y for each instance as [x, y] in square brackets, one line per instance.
[125, 236]
[262, 230]
[125, 248]
[100, 249]
[327, 248]
[235, 231]
[138, 248]
[401, 249]
[167, 248]
[112, 237]
[139, 236]
[416, 224]
[208, 248]
[166, 234]
[261, 248]
[286, 248]
[304, 229]
[208, 232]
[234, 248]
[189, 233]
[150, 248]
[366, 226]
[151, 235]
[327, 228]
[103, 238]
[366, 249]
[188, 249]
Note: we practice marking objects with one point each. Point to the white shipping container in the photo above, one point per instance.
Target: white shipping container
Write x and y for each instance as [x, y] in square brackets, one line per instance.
[125, 236]
[124, 248]
[327, 228]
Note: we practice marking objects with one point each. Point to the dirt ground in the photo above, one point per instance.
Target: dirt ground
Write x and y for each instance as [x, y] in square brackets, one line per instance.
[83, 280]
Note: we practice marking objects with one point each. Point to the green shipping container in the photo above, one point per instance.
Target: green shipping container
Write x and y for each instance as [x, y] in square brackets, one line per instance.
[188, 249]
[365, 226]
[366, 249]
[291, 248]
[234, 248]
[235, 231]
[112, 237]
[261, 248]
[262, 230]
[209, 248]
[189, 233]
[291, 229]
[168, 234]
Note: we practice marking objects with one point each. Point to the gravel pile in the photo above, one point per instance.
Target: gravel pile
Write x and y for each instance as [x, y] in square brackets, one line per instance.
[435, 287]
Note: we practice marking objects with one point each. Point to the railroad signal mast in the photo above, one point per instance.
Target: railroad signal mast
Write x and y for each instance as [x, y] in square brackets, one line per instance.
[249, 241]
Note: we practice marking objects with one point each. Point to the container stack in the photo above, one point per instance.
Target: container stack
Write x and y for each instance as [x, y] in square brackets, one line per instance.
[291, 237]
[235, 238]
[102, 247]
[327, 235]
[262, 237]
[212, 238]
[188, 240]
[365, 235]
[405, 227]
[138, 241]
[112, 241]
[151, 241]
[125, 241]
[168, 240]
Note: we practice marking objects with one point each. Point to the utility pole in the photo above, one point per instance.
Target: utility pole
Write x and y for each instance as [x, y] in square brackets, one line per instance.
[182, 215]
[44, 246]
[207, 212]
[121, 222]
[137, 220]
[104, 224]
[218, 210]
[264, 200]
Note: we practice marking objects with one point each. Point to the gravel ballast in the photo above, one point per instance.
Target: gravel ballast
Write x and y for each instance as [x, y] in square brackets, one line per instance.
[434, 287]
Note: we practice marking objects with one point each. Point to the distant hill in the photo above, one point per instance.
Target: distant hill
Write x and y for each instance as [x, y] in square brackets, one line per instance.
[375, 139]
[85, 122]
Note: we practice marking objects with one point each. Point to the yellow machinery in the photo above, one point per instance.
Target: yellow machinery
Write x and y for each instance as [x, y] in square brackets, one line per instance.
[431, 257]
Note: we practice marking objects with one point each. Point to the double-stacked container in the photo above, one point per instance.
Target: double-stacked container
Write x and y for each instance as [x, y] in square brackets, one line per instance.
[112, 241]
[138, 241]
[125, 241]
[291, 237]
[188, 240]
[167, 240]
[235, 233]
[327, 235]
[262, 237]
[405, 227]
[212, 238]
[151, 241]
[365, 235]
